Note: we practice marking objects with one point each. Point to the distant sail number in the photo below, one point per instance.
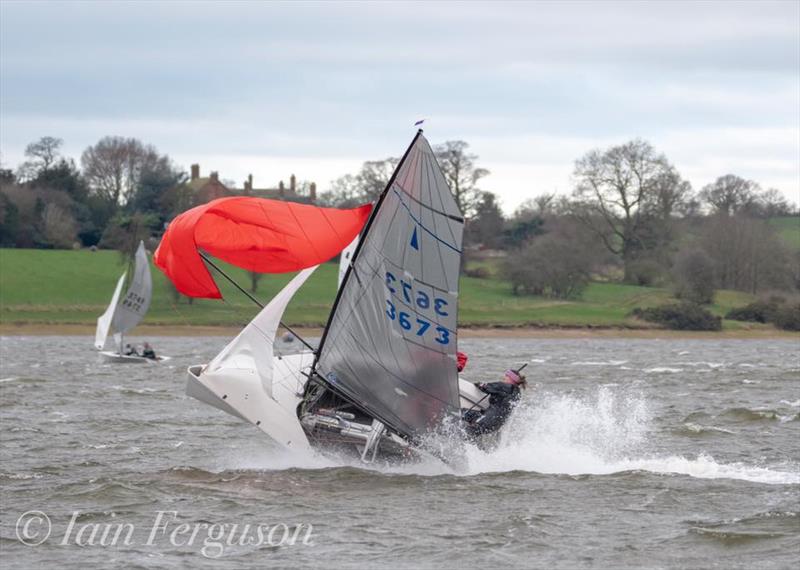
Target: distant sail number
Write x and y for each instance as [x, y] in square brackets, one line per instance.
[421, 300]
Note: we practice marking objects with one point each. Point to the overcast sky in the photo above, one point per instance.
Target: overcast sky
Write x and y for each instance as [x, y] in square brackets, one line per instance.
[317, 89]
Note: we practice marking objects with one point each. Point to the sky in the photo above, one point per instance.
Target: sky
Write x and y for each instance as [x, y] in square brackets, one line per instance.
[316, 89]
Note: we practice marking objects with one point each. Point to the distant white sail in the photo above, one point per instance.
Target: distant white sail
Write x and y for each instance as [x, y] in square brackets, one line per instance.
[133, 306]
[251, 352]
[124, 314]
[344, 259]
[104, 320]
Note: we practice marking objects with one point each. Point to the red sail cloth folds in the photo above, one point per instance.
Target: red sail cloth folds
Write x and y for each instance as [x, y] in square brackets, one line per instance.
[267, 236]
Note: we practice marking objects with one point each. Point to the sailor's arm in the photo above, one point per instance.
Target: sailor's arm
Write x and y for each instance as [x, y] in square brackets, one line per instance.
[492, 388]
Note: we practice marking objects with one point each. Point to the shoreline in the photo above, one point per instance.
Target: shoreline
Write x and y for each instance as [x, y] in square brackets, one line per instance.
[39, 329]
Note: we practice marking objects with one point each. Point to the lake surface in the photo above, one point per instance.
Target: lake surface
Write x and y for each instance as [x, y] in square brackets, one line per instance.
[624, 453]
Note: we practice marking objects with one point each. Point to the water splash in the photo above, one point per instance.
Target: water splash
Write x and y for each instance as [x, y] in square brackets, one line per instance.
[601, 433]
[568, 434]
[598, 435]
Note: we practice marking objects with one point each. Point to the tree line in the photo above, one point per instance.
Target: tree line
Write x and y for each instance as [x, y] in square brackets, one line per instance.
[631, 217]
[122, 187]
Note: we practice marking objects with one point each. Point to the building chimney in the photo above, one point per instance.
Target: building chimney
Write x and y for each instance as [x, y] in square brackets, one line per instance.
[281, 189]
[293, 184]
[214, 176]
[195, 171]
[248, 184]
[312, 192]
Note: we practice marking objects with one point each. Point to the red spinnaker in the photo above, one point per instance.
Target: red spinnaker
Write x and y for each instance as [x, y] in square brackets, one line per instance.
[267, 236]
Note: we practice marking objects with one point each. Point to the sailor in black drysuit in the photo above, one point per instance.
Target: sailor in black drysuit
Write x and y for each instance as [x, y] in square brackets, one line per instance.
[502, 397]
[148, 352]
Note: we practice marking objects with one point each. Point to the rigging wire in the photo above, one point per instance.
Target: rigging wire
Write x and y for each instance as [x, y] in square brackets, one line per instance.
[256, 301]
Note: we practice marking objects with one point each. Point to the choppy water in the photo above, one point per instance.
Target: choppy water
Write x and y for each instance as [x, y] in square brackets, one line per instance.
[626, 453]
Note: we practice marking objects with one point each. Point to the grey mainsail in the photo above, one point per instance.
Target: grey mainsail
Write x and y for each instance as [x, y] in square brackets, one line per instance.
[390, 343]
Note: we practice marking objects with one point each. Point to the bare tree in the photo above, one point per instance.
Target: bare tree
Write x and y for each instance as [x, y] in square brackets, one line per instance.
[693, 276]
[374, 177]
[612, 193]
[351, 190]
[545, 204]
[42, 155]
[39, 217]
[343, 193]
[59, 226]
[747, 254]
[551, 266]
[526, 210]
[771, 204]
[730, 194]
[670, 195]
[114, 165]
[461, 173]
[558, 263]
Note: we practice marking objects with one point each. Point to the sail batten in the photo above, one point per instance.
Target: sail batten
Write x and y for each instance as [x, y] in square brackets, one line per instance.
[390, 343]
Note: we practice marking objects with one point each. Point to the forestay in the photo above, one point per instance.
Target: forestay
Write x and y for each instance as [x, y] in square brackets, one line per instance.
[251, 352]
[390, 342]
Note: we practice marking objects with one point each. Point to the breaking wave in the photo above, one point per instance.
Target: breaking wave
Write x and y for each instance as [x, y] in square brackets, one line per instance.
[756, 415]
[599, 435]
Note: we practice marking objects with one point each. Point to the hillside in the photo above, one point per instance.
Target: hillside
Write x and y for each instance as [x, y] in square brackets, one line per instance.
[58, 286]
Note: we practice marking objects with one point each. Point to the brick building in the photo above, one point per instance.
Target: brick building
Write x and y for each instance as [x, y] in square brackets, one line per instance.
[204, 189]
[293, 193]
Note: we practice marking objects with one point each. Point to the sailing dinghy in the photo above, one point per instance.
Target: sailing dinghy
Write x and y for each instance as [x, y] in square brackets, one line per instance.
[384, 374]
[122, 315]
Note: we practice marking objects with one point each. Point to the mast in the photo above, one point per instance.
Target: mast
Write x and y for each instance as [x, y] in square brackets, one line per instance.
[389, 343]
[361, 241]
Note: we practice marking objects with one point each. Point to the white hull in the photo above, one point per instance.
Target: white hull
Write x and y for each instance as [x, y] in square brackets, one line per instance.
[116, 358]
[241, 394]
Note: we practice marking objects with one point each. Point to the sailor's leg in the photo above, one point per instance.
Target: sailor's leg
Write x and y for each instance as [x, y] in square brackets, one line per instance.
[492, 420]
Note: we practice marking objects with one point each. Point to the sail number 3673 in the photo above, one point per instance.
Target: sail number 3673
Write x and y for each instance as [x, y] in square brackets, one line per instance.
[421, 300]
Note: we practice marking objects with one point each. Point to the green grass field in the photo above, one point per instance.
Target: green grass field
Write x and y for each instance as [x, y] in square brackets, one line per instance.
[54, 286]
[789, 230]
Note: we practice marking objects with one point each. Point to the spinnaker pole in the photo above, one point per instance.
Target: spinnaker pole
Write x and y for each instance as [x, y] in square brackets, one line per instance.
[249, 296]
